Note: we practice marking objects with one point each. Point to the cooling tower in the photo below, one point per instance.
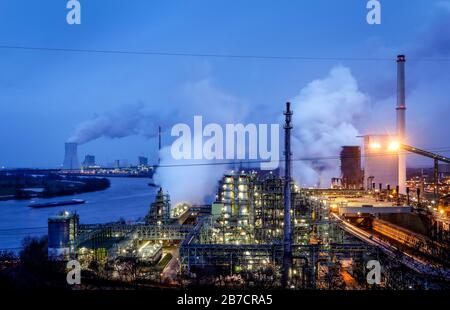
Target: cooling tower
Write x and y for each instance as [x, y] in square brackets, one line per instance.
[71, 157]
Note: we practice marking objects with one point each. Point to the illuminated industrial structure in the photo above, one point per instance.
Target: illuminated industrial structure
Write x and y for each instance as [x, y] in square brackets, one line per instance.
[380, 162]
[62, 235]
[259, 221]
[263, 226]
[384, 163]
[159, 212]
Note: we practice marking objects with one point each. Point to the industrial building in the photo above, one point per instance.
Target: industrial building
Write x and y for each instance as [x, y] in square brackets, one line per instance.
[159, 212]
[89, 161]
[142, 161]
[380, 162]
[245, 233]
[351, 174]
[62, 235]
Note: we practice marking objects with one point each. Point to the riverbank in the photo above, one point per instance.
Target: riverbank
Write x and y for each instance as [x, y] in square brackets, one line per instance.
[25, 185]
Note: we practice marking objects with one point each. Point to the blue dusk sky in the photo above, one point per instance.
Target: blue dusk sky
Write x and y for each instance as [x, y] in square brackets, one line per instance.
[49, 97]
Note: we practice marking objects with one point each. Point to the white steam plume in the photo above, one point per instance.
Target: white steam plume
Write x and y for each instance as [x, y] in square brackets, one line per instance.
[323, 115]
[194, 181]
[128, 120]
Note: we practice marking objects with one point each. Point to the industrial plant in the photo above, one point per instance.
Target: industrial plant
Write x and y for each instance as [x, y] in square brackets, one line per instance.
[258, 228]
[263, 230]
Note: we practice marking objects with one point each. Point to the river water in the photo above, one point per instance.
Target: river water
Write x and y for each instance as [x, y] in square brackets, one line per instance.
[127, 198]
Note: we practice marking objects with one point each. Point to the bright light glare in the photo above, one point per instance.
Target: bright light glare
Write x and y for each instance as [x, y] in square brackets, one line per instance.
[394, 146]
[375, 145]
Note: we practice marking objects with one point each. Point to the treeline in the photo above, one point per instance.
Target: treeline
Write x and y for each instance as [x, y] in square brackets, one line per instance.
[21, 185]
[31, 268]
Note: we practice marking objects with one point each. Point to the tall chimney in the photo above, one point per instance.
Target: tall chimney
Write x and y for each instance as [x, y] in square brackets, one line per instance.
[71, 157]
[401, 121]
[159, 144]
[287, 241]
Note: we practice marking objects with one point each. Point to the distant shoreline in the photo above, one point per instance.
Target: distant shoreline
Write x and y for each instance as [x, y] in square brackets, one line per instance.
[23, 185]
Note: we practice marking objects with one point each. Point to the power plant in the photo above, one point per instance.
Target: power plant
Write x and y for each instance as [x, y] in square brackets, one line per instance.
[263, 230]
[71, 157]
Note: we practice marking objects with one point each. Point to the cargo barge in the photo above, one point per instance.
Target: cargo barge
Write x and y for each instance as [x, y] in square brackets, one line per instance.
[57, 203]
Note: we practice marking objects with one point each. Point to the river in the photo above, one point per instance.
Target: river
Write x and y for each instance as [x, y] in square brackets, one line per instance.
[127, 198]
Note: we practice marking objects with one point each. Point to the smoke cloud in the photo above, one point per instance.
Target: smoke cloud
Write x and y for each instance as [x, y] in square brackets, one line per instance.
[128, 120]
[324, 113]
[193, 181]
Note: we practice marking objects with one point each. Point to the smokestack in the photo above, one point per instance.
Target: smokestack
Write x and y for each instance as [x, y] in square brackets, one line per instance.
[287, 242]
[71, 157]
[159, 145]
[401, 121]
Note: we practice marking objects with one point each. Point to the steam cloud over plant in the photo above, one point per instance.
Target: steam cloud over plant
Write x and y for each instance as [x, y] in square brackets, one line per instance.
[324, 113]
